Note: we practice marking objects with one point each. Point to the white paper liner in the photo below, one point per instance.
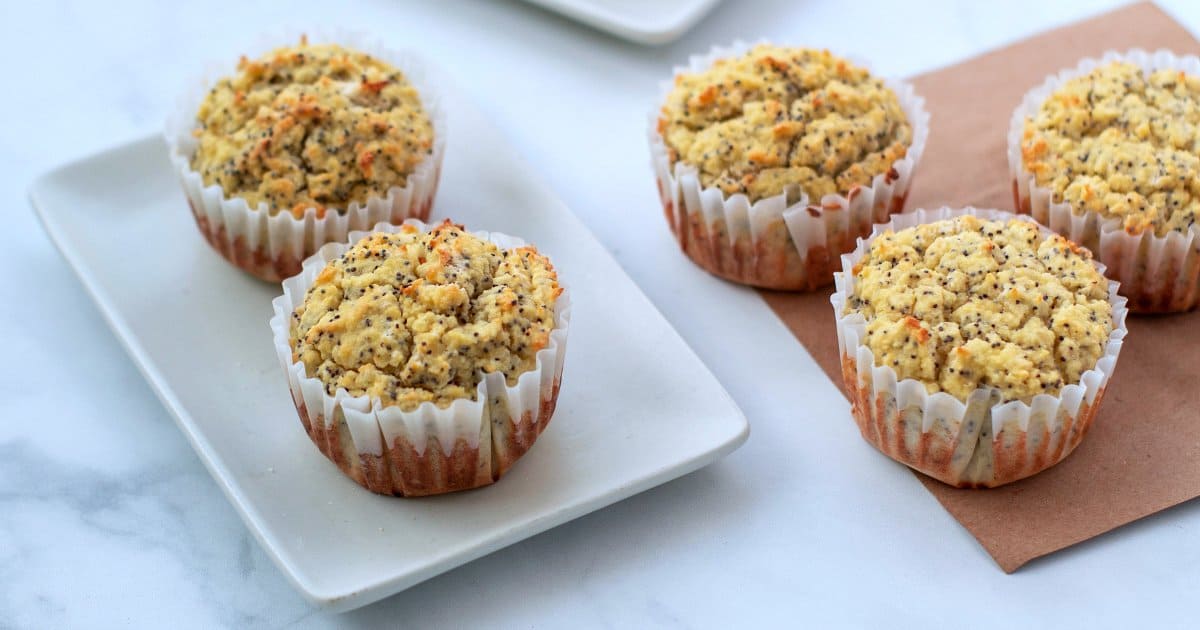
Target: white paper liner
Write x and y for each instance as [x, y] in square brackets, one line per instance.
[489, 433]
[1157, 273]
[746, 242]
[981, 443]
[272, 247]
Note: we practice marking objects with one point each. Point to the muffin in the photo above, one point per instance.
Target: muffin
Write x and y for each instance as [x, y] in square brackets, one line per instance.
[423, 360]
[300, 146]
[1108, 154]
[771, 161]
[975, 345]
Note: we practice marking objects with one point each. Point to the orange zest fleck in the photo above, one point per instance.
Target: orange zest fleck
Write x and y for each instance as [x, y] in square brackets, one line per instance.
[921, 334]
[774, 63]
[374, 86]
[365, 161]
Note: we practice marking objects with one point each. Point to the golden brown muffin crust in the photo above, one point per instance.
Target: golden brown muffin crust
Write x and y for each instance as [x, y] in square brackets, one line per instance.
[418, 316]
[311, 126]
[967, 303]
[1122, 144]
[777, 118]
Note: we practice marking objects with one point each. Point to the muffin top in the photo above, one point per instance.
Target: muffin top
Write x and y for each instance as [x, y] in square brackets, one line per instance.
[783, 119]
[311, 126]
[1123, 144]
[418, 316]
[967, 303]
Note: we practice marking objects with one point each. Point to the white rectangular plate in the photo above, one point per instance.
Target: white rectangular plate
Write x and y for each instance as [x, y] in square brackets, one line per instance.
[642, 21]
[637, 407]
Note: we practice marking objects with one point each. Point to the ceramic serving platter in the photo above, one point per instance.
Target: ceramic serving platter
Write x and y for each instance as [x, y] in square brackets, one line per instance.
[637, 407]
[654, 22]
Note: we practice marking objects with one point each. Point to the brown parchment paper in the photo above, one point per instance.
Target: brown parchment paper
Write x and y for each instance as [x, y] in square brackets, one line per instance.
[1143, 453]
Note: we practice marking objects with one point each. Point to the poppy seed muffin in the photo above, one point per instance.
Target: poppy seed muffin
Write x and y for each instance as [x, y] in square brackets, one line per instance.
[771, 161]
[779, 117]
[417, 317]
[423, 360]
[1108, 155]
[1122, 143]
[295, 147]
[965, 303]
[975, 347]
[311, 126]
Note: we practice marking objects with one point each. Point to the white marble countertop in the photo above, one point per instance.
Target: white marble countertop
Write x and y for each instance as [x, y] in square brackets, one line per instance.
[107, 519]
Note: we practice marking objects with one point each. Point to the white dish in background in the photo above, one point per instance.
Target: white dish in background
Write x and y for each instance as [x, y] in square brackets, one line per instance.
[637, 407]
[642, 21]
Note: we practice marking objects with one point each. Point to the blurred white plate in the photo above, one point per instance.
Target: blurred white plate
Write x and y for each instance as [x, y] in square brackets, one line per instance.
[642, 21]
[637, 407]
